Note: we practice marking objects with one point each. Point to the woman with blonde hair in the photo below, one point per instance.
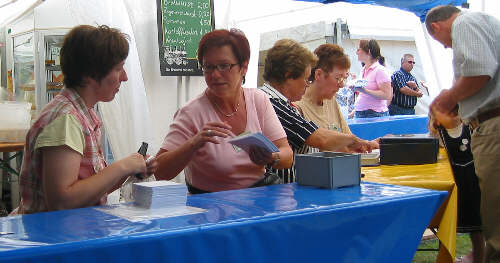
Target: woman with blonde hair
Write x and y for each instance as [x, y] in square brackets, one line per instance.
[328, 76]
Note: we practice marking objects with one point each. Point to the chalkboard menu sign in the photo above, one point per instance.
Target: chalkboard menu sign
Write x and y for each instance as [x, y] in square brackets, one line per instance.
[181, 24]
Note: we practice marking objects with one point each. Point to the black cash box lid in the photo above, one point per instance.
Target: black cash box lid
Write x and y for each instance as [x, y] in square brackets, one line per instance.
[408, 149]
[408, 138]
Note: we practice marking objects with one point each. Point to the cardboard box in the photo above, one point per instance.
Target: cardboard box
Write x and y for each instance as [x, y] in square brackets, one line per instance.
[408, 149]
[328, 169]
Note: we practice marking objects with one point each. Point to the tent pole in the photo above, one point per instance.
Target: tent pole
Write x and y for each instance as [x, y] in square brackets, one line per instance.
[179, 92]
[186, 85]
[338, 36]
[8, 3]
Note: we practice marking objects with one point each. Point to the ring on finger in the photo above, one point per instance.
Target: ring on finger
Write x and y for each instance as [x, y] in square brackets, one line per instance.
[209, 132]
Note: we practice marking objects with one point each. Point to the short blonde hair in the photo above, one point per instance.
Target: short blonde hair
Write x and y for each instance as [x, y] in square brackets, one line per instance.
[287, 56]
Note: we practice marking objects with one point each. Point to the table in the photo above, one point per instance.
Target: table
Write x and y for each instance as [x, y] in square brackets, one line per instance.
[6, 148]
[372, 128]
[280, 223]
[436, 176]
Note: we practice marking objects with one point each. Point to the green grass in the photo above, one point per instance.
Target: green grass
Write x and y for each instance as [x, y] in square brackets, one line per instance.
[464, 246]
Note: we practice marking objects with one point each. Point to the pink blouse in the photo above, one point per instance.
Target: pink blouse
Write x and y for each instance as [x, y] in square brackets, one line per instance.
[376, 74]
[218, 167]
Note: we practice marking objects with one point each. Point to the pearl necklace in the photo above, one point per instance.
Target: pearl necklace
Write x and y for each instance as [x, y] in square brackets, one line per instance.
[220, 110]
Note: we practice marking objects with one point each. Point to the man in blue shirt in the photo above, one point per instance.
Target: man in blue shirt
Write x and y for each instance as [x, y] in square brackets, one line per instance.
[405, 88]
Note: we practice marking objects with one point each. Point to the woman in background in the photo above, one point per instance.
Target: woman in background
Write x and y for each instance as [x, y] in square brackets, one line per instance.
[319, 103]
[197, 140]
[287, 70]
[372, 99]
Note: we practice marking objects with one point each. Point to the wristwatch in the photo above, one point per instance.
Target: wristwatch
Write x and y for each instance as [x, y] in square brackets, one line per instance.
[276, 159]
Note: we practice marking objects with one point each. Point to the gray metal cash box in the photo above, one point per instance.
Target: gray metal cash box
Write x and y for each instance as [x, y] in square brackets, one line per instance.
[328, 169]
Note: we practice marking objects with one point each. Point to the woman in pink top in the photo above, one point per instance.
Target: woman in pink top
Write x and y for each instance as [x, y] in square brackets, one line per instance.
[372, 100]
[197, 140]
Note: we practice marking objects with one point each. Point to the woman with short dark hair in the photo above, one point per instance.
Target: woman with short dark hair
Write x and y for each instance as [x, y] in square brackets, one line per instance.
[63, 166]
[197, 139]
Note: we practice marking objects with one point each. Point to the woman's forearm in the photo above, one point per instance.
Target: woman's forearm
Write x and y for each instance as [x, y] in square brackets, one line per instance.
[171, 163]
[379, 94]
[384, 91]
[327, 140]
[286, 157]
[81, 193]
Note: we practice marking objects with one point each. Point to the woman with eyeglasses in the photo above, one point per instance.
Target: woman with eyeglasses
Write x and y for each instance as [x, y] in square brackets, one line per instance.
[286, 72]
[329, 75]
[372, 99]
[197, 139]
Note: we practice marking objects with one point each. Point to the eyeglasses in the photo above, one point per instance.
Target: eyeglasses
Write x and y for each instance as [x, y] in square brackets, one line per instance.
[411, 62]
[341, 80]
[221, 67]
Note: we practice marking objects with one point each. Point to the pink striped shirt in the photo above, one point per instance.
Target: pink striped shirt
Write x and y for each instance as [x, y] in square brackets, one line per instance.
[67, 102]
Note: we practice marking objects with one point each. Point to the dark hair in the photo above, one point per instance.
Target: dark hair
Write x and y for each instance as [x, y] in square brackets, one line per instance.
[221, 37]
[287, 56]
[439, 13]
[371, 47]
[330, 56]
[89, 51]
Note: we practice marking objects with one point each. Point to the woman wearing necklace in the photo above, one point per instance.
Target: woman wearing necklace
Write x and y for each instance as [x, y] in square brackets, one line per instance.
[197, 139]
[319, 103]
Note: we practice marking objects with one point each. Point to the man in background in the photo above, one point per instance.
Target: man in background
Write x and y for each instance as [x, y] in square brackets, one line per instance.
[405, 88]
[474, 38]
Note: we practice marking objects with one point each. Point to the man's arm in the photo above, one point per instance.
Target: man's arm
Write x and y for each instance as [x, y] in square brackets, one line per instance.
[410, 92]
[463, 88]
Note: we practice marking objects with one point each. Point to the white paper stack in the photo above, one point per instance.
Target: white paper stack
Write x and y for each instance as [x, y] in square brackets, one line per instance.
[160, 194]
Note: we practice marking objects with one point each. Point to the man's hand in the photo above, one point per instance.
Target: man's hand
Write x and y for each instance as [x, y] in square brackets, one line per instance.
[445, 120]
[419, 93]
[412, 85]
[444, 103]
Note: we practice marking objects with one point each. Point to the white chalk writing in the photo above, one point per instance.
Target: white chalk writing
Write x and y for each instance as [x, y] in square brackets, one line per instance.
[187, 4]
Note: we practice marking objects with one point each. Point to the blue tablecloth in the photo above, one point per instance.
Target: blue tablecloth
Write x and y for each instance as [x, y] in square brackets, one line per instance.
[281, 223]
[372, 128]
